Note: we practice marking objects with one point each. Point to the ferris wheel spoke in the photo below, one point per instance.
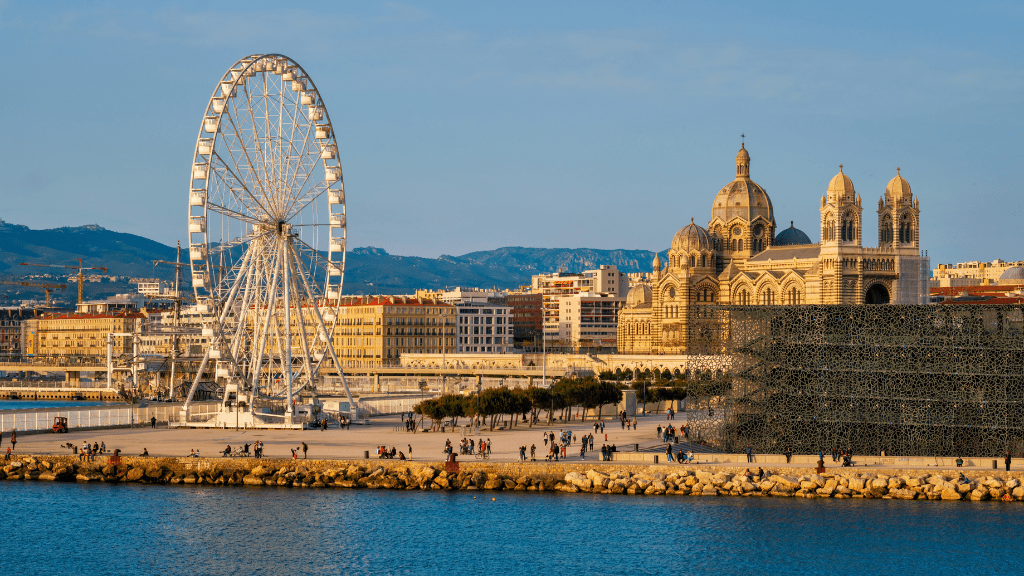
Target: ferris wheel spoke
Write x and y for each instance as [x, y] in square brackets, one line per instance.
[253, 167]
[224, 210]
[234, 178]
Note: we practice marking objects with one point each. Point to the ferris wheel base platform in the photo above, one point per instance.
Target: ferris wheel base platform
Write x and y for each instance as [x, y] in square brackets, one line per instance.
[245, 420]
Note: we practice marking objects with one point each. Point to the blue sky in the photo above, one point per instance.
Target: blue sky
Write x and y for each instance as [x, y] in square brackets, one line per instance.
[469, 126]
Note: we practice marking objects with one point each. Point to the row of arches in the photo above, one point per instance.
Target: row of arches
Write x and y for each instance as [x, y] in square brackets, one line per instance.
[905, 232]
[847, 231]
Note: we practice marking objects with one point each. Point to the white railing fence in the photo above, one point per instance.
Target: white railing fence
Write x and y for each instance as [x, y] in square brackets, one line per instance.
[98, 416]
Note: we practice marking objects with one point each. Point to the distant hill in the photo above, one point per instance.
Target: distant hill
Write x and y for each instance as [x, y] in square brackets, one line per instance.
[122, 254]
[368, 270]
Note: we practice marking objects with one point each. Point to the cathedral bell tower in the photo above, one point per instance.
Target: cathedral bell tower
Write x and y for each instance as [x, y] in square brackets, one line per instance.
[898, 216]
[841, 227]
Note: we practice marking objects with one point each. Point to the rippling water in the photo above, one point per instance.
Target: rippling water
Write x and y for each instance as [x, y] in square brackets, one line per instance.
[139, 529]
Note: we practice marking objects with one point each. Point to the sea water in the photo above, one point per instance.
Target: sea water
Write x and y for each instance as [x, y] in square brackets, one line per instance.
[142, 529]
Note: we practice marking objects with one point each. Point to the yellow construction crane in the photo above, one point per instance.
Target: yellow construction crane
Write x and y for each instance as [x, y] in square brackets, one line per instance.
[80, 268]
[46, 287]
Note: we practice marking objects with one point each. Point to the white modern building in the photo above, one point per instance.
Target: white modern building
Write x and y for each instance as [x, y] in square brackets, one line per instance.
[604, 284]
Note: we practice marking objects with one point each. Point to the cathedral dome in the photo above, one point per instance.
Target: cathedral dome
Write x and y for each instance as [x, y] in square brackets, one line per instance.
[841, 187]
[898, 190]
[791, 236]
[1014, 273]
[639, 294]
[692, 238]
[742, 197]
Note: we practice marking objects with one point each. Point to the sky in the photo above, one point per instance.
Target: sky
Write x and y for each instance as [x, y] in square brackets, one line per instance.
[466, 126]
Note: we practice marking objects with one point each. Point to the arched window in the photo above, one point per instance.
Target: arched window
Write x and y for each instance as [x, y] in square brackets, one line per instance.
[693, 261]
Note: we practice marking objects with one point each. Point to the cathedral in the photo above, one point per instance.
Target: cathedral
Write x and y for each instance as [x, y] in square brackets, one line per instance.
[739, 259]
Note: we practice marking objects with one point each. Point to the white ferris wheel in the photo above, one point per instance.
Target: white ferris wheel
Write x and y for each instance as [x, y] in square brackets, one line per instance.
[267, 231]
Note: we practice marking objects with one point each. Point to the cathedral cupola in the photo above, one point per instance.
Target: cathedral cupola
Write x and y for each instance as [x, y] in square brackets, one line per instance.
[743, 163]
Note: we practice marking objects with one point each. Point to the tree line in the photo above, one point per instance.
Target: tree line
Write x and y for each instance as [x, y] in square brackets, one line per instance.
[567, 393]
[494, 403]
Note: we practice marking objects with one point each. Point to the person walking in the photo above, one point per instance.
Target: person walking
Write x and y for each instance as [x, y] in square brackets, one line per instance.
[668, 452]
[1007, 458]
[750, 454]
[14, 439]
[789, 454]
[410, 451]
[305, 448]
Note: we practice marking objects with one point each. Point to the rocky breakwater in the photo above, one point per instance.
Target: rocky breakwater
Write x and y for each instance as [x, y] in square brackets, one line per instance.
[282, 473]
[532, 477]
[905, 486]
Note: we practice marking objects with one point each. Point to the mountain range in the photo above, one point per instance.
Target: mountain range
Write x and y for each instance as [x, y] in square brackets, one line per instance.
[367, 271]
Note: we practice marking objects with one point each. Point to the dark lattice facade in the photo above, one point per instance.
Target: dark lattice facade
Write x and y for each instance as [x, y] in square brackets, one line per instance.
[906, 380]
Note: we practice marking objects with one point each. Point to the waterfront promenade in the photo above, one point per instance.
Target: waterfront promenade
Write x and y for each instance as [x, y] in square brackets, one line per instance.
[335, 444]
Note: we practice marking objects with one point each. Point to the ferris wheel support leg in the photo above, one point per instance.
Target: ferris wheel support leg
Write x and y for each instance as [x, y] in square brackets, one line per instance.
[195, 384]
[288, 329]
[262, 341]
[298, 272]
[330, 345]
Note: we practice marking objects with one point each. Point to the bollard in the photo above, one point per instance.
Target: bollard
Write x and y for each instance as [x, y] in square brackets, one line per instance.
[366, 454]
[636, 447]
[995, 464]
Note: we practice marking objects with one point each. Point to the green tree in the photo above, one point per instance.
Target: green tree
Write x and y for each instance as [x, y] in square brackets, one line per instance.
[540, 398]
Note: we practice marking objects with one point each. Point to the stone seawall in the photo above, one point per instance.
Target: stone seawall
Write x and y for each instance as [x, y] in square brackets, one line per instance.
[523, 476]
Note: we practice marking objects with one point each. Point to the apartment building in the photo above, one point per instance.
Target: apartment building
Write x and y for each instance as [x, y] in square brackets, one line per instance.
[604, 282]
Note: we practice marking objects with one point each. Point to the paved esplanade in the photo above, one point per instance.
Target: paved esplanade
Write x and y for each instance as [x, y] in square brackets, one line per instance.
[383, 430]
[334, 443]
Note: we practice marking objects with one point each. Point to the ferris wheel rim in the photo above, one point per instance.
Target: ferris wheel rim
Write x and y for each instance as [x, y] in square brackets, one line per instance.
[233, 77]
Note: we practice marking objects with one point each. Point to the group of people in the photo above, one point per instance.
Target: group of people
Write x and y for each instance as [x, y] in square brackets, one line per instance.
[385, 452]
[89, 451]
[680, 456]
[295, 451]
[626, 423]
[468, 446]
[667, 434]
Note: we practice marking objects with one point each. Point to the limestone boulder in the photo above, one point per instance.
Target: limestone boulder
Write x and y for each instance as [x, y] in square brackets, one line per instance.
[579, 480]
[903, 493]
[979, 494]
[135, 474]
[786, 481]
[949, 494]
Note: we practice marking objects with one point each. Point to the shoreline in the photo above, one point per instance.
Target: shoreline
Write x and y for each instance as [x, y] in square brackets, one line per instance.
[569, 477]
